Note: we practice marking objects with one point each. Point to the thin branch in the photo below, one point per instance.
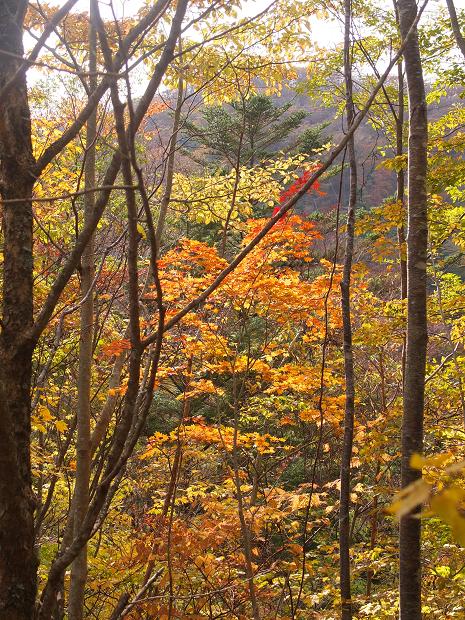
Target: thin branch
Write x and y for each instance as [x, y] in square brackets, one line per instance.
[27, 62]
[292, 201]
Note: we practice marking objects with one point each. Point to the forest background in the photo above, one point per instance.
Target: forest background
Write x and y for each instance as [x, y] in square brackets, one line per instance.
[232, 310]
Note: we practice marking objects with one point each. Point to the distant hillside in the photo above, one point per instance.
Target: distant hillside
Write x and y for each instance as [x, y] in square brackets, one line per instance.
[375, 182]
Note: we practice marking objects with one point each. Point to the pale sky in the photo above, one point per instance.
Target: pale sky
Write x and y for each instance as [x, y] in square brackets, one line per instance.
[324, 32]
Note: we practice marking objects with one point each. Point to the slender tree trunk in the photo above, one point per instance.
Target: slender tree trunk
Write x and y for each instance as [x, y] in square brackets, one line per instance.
[400, 180]
[237, 178]
[417, 332]
[170, 164]
[459, 38]
[246, 532]
[344, 507]
[373, 535]
[129, 427]
[103, 420]
[83, 451]
[400, 190]
[374, 517]
[18, 561]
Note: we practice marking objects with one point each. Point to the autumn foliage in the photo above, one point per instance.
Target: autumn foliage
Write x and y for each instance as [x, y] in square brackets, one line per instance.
[175, 360]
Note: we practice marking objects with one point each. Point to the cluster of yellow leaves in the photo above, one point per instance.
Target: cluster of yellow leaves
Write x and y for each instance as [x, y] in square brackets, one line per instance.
[446, 496]
[224, 67]
[213, 198]
[42, 416]
[224, 437]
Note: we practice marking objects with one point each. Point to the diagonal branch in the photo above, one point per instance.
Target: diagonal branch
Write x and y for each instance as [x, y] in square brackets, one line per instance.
[56, 147]
[49, 28]
[108, 181]
[459, 38]
[195, 303]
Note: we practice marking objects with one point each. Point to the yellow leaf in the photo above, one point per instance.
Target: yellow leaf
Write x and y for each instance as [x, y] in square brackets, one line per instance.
[60, 426]
[141, 231]
[39, 427]
[409, 498]
[417, 461]
[446, 506]
[45, 414]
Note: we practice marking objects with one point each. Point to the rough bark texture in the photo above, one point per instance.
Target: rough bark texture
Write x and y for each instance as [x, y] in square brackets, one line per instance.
[415, 360]
[83, 451]
[18, 562]
[344, 507]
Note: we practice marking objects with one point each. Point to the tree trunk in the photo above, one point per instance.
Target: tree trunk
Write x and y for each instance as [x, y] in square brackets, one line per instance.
[246, 531]
[344, 506]
[170, 164]
[459, 38]
[18, 561]
[83, 450]
[400, 180]
[400, 190]
[417, 333]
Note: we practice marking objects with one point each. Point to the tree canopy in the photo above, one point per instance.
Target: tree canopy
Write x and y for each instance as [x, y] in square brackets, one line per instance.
[232, 336]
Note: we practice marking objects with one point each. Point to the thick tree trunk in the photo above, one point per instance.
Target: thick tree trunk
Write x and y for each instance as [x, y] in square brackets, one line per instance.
[344, 507]
[83, 451]
[18, 561]
[417, 333]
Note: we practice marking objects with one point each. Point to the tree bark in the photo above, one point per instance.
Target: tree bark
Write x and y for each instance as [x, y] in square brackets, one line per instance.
[417, 333]
[130, 425]
[344, 506]
[246, 532]
[170, 163]
[83, 448]
[459, 38]
[400, 180]
[18, 561]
